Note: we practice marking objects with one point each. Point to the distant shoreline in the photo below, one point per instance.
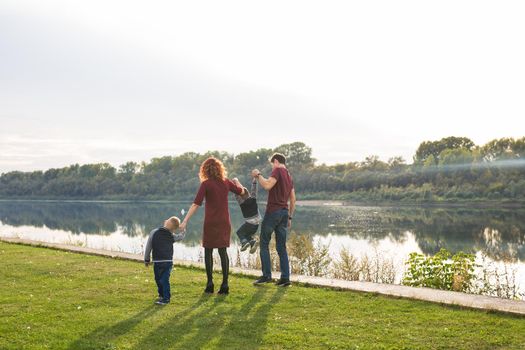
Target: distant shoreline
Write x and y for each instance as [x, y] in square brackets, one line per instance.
[307, 202]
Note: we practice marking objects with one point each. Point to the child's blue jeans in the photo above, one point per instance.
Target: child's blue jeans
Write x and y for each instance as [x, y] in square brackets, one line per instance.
[162, 271]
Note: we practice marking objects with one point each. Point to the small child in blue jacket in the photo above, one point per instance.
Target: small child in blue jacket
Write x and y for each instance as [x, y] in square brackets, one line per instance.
[160, 241]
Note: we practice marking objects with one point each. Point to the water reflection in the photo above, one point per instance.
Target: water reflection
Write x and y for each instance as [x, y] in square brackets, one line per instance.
[500, 233]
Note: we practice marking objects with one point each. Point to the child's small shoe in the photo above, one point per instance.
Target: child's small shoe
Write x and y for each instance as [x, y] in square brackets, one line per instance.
[224, 289]
[209, 288]
[244, 245]
[254, 245]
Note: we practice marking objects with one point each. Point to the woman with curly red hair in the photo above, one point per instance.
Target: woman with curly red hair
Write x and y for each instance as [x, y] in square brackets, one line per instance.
[214, 187]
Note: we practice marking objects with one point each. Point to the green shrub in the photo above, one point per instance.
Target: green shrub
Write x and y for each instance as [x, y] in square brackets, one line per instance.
[441, 271]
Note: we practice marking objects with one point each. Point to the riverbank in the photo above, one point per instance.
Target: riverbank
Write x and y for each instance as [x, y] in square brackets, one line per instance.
[55, 299]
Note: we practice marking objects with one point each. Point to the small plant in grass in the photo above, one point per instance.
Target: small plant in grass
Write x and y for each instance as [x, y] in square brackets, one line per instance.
[247, 261]
[347, 268]
[307, 258]
[441, 271]
[75, 241]
[372, 268]
[498, 280]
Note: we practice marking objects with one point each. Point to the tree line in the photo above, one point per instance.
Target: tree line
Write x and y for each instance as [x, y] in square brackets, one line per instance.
[450, 169]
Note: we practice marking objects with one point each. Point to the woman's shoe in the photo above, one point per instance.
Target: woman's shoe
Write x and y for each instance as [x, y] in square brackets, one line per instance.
[209, 288]
[224, 289]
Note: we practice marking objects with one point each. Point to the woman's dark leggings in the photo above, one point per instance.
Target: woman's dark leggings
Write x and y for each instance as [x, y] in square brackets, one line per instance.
[225, 264]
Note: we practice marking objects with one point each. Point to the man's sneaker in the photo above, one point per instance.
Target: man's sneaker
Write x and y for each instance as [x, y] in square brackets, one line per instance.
[262, 280]
[162, 302]
[244, 246]
[159, 299]
[283, 282]
[254, 245]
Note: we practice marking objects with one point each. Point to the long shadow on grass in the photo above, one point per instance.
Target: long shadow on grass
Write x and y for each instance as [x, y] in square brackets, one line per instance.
[210, 322]
[248, 327]
[174, 328]
[104, 336]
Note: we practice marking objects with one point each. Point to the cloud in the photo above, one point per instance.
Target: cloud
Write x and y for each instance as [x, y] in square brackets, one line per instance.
[117, 81]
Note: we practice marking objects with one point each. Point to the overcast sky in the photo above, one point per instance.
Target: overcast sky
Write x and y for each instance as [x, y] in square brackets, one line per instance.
[112, 81]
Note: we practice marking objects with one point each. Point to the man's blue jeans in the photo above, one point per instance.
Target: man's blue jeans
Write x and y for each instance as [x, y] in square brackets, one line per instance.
[277, 222]
[162, 271]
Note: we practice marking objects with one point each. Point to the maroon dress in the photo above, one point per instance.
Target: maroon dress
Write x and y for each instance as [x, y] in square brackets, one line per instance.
[217, 226]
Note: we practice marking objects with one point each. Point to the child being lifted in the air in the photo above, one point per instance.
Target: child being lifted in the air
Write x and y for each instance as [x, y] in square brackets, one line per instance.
[250, 212]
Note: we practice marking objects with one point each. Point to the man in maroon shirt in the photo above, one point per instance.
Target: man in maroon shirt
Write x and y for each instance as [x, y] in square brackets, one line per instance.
[278, 218]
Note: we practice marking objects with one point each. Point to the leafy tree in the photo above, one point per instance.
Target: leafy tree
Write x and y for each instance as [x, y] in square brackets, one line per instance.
[505, 148]
[519, 148]
[128, 170]
[298, 155]
[374, 163]
[435, 148]
[396, 163]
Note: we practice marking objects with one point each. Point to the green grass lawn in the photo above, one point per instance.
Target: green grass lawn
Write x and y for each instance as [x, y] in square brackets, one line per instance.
[51, 299]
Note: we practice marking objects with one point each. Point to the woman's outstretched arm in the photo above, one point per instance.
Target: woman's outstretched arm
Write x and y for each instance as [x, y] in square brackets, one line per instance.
[191, 211]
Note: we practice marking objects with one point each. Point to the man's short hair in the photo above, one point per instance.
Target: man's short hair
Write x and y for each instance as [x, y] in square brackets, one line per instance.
[280, 158]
